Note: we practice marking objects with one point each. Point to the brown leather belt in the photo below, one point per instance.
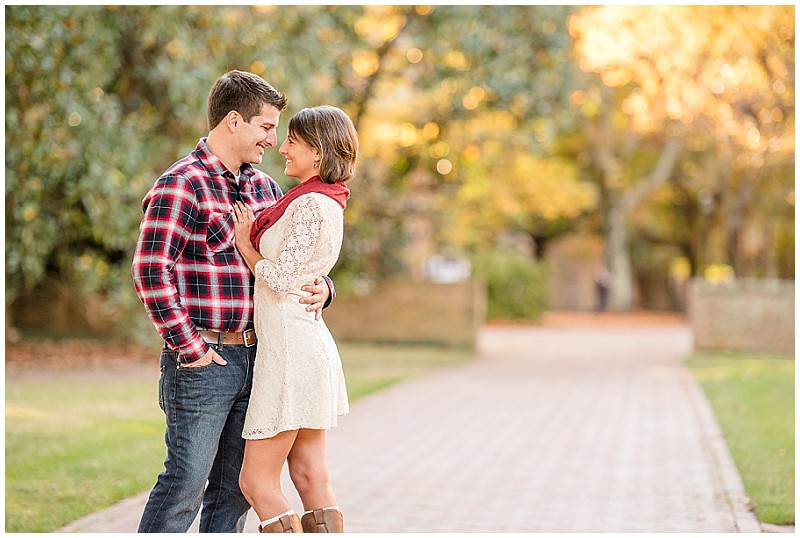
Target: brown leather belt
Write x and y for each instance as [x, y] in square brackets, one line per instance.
[246, 338]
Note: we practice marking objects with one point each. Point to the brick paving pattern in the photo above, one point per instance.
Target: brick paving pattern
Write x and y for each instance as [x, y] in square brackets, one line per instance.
[552, 429]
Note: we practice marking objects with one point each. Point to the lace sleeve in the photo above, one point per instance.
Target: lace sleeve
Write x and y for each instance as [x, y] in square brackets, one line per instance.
[296, 248]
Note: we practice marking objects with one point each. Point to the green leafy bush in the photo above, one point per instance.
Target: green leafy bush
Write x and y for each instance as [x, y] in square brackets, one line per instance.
[516, 284]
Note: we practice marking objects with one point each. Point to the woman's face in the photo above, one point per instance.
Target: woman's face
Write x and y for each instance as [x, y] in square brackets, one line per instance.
[300, 158]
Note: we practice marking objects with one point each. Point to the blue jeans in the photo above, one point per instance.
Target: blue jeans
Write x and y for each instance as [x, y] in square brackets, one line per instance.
[205, 409]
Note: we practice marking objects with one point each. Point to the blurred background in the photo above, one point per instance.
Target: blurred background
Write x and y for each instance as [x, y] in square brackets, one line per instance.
[519, 164]
[541, 157]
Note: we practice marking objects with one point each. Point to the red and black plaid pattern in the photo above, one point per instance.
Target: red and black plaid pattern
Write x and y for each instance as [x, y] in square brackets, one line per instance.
[186, 268]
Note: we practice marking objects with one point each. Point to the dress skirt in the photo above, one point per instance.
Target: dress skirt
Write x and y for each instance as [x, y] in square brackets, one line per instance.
[298, 380]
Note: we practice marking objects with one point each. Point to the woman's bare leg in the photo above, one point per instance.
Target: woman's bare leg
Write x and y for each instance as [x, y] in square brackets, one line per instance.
[260, 478]
[308, 469]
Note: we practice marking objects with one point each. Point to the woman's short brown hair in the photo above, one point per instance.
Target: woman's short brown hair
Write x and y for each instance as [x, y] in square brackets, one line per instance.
[244, 92]
[331, 132]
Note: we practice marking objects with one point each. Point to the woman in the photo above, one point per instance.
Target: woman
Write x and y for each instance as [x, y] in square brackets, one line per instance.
[298, 382]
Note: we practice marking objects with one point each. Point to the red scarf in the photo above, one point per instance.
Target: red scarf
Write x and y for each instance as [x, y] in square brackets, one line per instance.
[270, 215]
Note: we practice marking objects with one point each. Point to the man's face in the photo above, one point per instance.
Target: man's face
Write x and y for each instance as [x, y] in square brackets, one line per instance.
[255, 136]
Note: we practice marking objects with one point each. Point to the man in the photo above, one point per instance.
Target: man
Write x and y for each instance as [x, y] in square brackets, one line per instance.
[198, 291]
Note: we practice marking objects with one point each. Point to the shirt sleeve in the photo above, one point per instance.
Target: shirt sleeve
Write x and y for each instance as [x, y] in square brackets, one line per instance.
[296, 249]
[332, 289]
[170, 212]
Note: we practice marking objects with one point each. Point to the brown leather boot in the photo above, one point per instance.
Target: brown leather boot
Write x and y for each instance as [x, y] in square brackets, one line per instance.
[323, 520]
[288, 523]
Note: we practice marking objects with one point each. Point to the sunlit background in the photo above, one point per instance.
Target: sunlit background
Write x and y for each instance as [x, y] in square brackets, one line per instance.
[512, 158]
[503, 144]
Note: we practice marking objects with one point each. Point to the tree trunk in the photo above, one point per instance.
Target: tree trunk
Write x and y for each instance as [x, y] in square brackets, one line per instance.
[620, 296]
[620, 199]
[741, 200]
[620, 203]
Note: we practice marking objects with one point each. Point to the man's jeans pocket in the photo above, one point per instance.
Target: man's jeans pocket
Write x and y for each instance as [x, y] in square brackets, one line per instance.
[169, 363]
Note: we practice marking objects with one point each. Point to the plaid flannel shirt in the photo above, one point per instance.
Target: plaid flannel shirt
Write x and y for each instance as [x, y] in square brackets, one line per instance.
[186, 269]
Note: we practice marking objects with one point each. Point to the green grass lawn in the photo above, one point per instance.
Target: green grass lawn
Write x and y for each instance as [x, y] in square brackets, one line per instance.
[77, 443]
[753, 399]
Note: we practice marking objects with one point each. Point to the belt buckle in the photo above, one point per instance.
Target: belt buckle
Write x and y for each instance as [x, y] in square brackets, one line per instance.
[249, 338]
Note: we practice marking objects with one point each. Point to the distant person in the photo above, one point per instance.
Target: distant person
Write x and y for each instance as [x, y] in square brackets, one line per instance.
[602, 284]
[298, 383]
[198, 291]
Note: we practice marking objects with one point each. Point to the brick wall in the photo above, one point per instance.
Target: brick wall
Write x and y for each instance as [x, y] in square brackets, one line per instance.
[400, 311]
[406, 311]
[744, 314]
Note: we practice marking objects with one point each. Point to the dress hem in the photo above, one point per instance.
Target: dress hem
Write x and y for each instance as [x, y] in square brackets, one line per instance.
[257, 435]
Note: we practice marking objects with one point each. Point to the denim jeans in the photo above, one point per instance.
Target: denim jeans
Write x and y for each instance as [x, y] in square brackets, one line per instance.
[205, 409]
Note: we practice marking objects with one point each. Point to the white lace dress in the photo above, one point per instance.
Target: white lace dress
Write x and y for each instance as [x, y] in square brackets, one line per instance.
[298, 381]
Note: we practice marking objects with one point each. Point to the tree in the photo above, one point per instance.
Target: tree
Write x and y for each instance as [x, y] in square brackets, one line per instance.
[680, 85]
[93, 109]
[466, 100]
[474, 121]
[100, 99]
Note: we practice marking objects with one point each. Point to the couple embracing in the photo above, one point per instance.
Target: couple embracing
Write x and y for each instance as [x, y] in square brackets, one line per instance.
[233, 274]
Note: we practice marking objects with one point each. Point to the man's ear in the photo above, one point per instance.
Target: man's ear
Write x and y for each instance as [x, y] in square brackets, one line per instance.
[232, 120]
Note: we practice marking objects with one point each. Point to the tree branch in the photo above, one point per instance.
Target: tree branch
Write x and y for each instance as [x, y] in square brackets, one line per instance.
[363, 98]
[660, 174]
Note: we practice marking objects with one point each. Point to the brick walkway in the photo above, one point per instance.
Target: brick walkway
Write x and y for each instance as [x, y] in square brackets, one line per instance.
[554, 429]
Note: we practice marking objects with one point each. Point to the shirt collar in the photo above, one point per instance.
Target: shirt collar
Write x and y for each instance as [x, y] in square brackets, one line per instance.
[215, 166]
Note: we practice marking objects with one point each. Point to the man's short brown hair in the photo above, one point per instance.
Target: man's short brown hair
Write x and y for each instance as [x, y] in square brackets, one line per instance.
[244, 92]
